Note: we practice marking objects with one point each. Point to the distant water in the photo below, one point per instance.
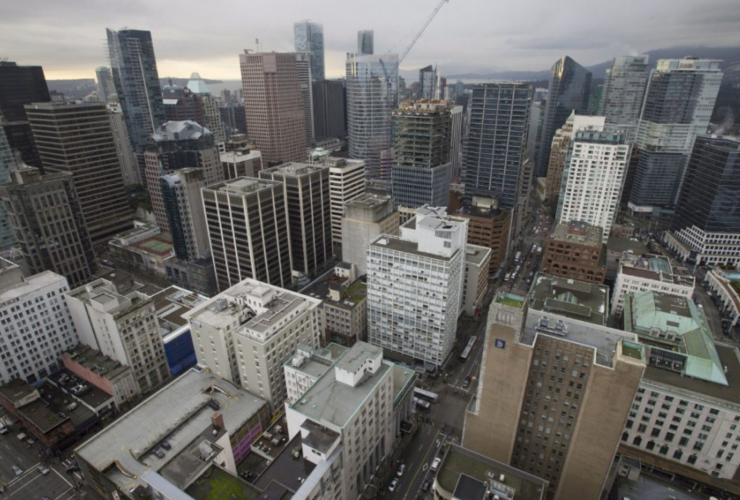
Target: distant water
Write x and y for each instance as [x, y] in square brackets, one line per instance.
[232, 85]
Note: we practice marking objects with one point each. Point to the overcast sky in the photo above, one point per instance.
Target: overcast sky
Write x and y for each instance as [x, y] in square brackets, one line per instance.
[68, 38]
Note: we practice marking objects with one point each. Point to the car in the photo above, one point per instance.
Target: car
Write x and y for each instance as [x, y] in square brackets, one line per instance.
[435, 464]
[394, 483]
[466, 382]
[44, 470]
[16, 470]
[401, 469]
[165, 445]
[426, 486]
[159, 453]
[3, 429]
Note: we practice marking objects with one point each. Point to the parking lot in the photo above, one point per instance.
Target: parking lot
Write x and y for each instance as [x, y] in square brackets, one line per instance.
[33, 485]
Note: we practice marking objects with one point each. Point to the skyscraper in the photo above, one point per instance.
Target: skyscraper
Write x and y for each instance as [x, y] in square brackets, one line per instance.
[7, 163]
[32, 200]
[570, 84]
[211, 114]
[302, 61]
[624, 90]
[78, 139]
[536, 122]
[106, 90]
[21, 85]
[329, 109]
[274, 106]
[365, 42]
[495, 149]
[427, 82]
[456, 146]
[372, 92]
[183, 205]
[346, 183]
[365, 218]
[309, 38]
[136, 80]
[126, 157]
[678, 105]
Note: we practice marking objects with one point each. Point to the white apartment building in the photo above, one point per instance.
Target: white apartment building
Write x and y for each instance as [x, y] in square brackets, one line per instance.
[246, 333]
[649, 272]
[593, 178]
[121, 322]
[415, 286]
[346, 182]
[35, 325]
[307, 366]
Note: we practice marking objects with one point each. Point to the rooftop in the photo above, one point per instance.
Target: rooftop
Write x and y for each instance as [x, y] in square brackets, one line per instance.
[629, 245]
[171, 303]
[577, 232]
[369, 200]
[31, 284]
[243, 185]
[292, 169]
[217, 484]
[319, 361]
[475, 254]
[97, 362]
[350, 294]
[185, 130]
[657, 268]
[570, 298]
[239, 156]
[406, 246]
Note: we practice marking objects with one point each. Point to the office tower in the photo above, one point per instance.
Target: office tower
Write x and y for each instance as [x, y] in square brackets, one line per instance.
[245, 334]
[456, 146]
[422, 138]
[8, 163]
[273, 105]
[370, 100]
[309, 38]
[241, 164]
[136, 80]
[248, 230]
[568, 91]
[78, 139]
[307, 200]
[365, 42]
[329, 110]
[536, 121]
[346, 183]
[577, 372]
[575, 250]
[46, 334]
[121, 322]
[126, 157]
[559, 152]
[21, 85]
[678, 105]
[706, 225]
[30, 201]
[180, 104]
[183, 206]
[209, 104]
[400, 319]
[476, 276]
[593, 178]
[495, 147]
[427, 83]
[177, 145]
[233, 118]
[366, 218]
[488, 226]
[106, 90]
[304, 80]
[624, 90]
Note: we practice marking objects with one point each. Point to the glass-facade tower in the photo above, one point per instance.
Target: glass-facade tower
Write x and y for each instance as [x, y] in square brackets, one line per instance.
[309, 37]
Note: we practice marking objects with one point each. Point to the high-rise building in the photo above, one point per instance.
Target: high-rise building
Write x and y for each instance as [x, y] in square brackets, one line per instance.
[21, 85]
[302, 61]
[46, 333]
[365, 42]
[371, 96]
[233, 118]
[126, 157]
[577, 372]
[209, 104]
[177, 145]
[8, 162]
[427, 83]
[241, 164]
[329, 109]
[31, 200]
[496, 141]
[365, 218]
[346, 183]
[593, 178]
[307, 200]
[183, 206]
[488, 226]
[136, 80]
[246, 333]
[536, 122]
[624, 90]
[422, 138]
[309, 38]
[106, 90]
[568, 91]
[400, 319]
[78, 139]
[456, 146]
[706, 226]
[273, 105]
[678, 104]
[180, 104]
[248, 231]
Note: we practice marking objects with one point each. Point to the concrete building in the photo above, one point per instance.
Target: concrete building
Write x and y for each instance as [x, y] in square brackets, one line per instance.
[307, 366]
[475, 283]
[142, 250]
[724, 286]
[616, 248]
[365, 218]
[211, 114]
[78, 139]
[488, 226]
[329, 109]
[307, 195]
[184, 209]
[593, 178]
[30, 200]
[590, 374]
[456, 140]
[34, 338]
[623, 93]
[568, 91]
[8, 163]
[233, 117]
[640, 273]
[241, 164]
[678, 105]
[182, 104]
[574, 250]
[120, 322]
[346, 183]
[246, 333]
[303, 65]
[415, 286]
[706, 226]
[98, 370]
[126, 157]
[309, 38]
[203, 419]
[274, 105]
[248, 231]
[197, 275]
[536, 122]
[365, 42]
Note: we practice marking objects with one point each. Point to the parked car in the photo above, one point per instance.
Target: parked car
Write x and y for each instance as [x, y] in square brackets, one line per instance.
[16, 470]
[426, 486]
[394, 483]
[159, 453]
[3, 429]
[435, 464]
[466, 382]
[44, 470]
[401, 469]
[165, 445]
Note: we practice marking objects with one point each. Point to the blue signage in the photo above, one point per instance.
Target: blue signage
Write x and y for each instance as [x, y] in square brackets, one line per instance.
[501, 344]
